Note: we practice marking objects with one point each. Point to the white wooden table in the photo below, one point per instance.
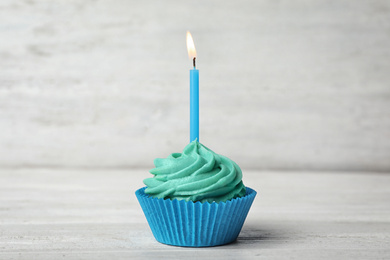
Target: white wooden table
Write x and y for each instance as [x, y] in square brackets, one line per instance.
[93, 214]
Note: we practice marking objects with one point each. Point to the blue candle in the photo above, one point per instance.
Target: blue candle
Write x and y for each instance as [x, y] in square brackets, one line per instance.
[194, 91]
[194, 104]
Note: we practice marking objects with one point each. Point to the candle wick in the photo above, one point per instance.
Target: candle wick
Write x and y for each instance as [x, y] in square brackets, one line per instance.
[193, 62]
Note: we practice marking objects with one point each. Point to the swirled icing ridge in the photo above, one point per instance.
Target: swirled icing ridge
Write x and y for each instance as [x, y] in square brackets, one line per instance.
[196, 174]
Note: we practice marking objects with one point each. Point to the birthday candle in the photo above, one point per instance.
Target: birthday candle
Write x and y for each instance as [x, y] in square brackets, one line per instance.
[194, 91]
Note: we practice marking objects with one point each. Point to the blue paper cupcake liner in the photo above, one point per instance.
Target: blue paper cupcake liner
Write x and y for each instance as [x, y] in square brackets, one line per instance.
[195, 224]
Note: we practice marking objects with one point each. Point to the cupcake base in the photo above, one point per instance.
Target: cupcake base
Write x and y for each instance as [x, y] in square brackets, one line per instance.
[195, 224]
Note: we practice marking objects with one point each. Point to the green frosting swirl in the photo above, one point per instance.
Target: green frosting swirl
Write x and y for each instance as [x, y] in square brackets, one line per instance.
[197, 174]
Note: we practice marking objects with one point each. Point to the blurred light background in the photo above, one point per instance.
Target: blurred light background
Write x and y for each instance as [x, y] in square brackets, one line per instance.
[285, 85]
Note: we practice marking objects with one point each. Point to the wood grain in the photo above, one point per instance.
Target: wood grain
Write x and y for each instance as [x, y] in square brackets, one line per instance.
[81, 214]
[300, 85]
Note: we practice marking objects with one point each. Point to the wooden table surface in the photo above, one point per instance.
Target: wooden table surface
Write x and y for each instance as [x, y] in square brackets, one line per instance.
[94, 214]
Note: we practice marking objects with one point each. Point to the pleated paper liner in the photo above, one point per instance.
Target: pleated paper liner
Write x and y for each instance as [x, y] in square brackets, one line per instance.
[190, 224]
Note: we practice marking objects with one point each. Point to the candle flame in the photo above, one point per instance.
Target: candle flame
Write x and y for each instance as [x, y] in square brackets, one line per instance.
[190, 46]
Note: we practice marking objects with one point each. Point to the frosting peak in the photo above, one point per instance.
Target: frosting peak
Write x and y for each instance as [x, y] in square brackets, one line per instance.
[196, 174]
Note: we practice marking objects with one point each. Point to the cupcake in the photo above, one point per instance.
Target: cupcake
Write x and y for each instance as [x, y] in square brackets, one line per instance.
[195, 198]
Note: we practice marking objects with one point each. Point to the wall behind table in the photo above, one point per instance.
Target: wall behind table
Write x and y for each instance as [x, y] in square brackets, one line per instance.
[284, 85]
